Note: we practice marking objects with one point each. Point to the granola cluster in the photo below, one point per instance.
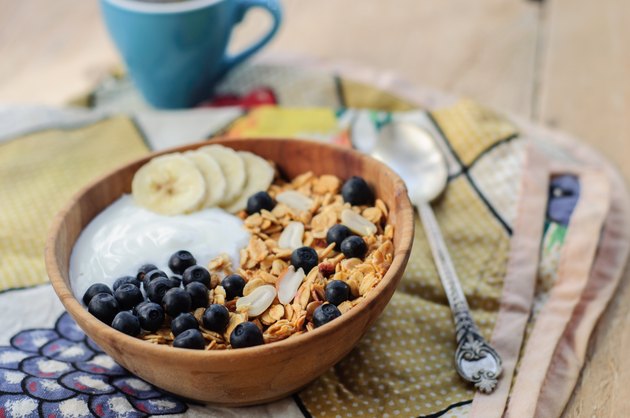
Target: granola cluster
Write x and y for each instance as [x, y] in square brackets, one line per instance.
[307, 207]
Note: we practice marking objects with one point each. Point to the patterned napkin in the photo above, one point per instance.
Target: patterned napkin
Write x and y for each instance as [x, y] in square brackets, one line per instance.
[508, 237]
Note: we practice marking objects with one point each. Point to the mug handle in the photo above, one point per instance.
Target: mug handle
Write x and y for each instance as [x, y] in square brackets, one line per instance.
[273, 7]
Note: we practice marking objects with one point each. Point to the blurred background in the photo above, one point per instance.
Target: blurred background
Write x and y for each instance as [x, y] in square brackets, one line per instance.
[564, 63]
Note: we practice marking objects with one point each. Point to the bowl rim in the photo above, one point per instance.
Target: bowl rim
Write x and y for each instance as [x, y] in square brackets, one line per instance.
[188, 356]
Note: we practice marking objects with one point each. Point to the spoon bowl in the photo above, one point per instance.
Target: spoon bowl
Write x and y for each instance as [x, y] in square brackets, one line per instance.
[413, 154]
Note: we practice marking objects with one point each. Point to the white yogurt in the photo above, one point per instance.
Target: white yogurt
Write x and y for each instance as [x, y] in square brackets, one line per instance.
[125, 236]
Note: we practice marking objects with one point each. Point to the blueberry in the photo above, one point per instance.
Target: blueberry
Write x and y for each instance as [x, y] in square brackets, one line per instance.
[357, 192]
[128, 296]
[94, 290]
[180, 261]
[183, 322]
[125, 280]
[127, 323]
[176, 301]
[337, 291]
[196, 274]
[157, 289]
[104, 307]
[216, 318]
[233, 285]
[144, 270]
[175, 282]
[304, 257]
[198, 295]
[191, 338]
[139, 306]
[152, 275]
[259, 201]
[151, 316]
[353, 247]
[246, 334]
[337, 233]
[324, 314]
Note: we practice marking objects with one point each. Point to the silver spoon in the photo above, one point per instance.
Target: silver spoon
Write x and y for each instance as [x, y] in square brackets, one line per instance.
[413, 153]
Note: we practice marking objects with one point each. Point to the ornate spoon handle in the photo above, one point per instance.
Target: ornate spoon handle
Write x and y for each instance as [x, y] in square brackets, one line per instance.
[475, 360]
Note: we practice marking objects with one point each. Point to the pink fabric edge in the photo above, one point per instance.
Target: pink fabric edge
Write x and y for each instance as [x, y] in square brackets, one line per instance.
[576, 259]
[519, 282]
[611, 266]
[606, 273]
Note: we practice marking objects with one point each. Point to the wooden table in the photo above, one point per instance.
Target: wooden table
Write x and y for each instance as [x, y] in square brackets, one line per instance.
[564, 63]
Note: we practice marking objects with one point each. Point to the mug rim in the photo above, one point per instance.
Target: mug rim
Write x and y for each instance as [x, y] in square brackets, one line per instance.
[161, 8]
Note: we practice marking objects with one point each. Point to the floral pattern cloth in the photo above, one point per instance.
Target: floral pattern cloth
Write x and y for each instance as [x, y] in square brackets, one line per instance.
[59, 372]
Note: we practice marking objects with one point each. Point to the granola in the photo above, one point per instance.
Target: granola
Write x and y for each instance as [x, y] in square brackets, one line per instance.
[307, 207]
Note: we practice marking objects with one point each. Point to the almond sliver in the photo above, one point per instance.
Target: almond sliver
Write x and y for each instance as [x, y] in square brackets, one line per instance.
[291, 237]
[258, 301]
[295, 200]
[289, 283]
[357, 223]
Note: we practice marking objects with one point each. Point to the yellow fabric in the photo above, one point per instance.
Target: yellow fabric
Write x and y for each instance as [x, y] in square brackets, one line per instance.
[363, 96]
[278, 122]
[38, 175]
[471, 128]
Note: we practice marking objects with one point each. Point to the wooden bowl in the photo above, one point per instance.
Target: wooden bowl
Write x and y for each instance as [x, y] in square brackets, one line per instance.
[249, 375]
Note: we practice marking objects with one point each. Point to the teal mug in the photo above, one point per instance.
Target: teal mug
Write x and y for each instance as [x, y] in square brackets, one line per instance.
[176, 52]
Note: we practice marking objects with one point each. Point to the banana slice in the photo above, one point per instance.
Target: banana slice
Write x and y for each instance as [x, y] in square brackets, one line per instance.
[170, 184]
[215, 182]
[232, 167]
[259, 176]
